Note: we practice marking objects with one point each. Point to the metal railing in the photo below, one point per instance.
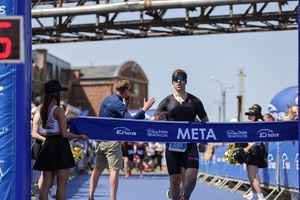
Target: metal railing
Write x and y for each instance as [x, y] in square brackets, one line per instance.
[89, 20]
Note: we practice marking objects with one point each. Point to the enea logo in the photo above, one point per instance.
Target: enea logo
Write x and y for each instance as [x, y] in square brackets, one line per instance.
[124, 131]
[4, 130]
[271, 162]
[285, 161]
[267, 133]
[156, 133]
[236, 134]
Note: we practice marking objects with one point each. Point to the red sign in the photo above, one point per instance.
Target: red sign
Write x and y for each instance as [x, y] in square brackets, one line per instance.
[11, 39]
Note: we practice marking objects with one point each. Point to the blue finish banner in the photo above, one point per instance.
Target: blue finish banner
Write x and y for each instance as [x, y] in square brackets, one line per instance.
[166, 131]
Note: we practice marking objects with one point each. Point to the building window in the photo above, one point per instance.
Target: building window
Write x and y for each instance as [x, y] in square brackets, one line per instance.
[134, 71]
[56, 73]
[49, 71]
[36, 75]
[81, 100]
[64, 76]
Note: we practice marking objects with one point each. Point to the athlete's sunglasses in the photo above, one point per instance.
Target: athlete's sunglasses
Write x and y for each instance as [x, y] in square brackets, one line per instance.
[179, 78]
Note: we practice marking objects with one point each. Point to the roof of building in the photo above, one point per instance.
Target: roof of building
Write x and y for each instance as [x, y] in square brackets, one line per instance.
[98, 72]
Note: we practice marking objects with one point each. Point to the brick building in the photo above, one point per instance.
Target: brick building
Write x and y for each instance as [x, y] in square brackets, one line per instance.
[45, 67]
[88, 86]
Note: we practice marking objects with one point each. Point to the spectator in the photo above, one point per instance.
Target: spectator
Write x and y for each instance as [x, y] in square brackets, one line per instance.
[140, 150]
[150, 158]
[292, 113]
[257, 160]
[159, 150]
[39, 139]
[89, 155]
[128, 157]
[268, 117]
[55, 158]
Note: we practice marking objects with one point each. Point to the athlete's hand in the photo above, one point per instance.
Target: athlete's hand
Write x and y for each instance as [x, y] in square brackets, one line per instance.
[162, 115]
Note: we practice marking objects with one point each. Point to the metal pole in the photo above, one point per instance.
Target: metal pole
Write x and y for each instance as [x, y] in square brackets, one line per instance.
[240, 99]
[222, 98]
[220, 111]
[137, 6]
[277, 172]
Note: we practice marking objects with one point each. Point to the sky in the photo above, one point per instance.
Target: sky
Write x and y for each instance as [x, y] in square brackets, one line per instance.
[268, 59]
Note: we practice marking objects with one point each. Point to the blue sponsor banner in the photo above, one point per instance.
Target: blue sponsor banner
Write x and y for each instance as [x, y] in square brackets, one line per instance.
[211, 164]
[288, 166]
[280, 102]
[7, 74]
[221, 162]
[6, 7]
[166, 131]
[6, 128]
[202, 166]
[268, 175]
[15, 98]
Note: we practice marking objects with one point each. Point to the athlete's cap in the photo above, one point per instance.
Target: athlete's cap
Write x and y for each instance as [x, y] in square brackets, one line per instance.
[53, 86]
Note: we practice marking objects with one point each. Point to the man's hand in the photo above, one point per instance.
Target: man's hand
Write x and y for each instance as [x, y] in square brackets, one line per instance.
[148, 104]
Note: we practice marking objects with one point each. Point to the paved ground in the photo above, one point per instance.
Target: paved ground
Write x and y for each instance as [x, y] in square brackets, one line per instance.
[150, 187]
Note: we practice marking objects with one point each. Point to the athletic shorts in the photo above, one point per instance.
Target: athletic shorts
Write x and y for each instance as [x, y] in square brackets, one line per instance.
[176, 160]
[108, 155]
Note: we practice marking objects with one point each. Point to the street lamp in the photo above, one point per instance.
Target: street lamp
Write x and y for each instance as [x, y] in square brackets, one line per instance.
[223, 96]
[219, 109]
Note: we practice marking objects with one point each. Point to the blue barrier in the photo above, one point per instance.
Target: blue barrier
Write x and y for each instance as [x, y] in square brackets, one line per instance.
[288, 161]
[289, 164]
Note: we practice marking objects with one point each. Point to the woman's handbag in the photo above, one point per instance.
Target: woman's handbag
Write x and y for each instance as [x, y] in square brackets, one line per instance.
[35, 148]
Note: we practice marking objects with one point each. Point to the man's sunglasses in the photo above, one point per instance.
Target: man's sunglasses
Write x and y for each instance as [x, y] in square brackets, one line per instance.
[179, 78]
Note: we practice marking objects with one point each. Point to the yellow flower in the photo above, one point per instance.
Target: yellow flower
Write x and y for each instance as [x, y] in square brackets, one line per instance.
[228, 155]
[77, 154]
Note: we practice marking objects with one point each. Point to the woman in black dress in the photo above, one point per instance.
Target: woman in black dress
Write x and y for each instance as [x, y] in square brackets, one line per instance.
[258, 152]
[55, 158]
